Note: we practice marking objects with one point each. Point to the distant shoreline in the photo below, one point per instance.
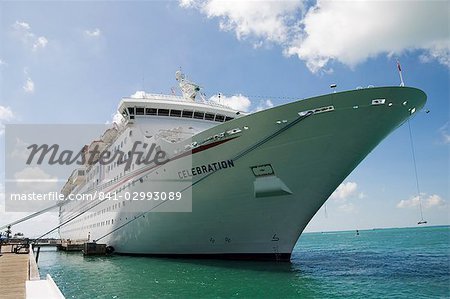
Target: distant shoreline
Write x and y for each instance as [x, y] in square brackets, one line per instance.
[374, 229]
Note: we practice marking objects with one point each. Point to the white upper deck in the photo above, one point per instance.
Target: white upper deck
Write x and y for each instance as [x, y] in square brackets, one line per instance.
[175, 106]
[186, 106]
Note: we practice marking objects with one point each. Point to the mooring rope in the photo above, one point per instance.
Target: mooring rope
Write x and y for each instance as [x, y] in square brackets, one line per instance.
[415, 171]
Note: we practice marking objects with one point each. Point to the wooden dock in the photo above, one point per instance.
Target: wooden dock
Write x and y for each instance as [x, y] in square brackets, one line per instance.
[14, 271]
[19, 275]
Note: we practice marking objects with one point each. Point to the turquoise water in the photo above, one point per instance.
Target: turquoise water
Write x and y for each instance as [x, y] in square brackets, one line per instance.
[396, 263]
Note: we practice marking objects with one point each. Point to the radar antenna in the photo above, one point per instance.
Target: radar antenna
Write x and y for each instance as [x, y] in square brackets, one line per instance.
[188, 88]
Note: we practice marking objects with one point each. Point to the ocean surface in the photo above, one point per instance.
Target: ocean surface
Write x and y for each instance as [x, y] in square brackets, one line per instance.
[395, 263]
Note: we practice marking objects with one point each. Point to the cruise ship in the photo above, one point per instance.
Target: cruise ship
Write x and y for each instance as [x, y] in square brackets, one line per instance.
[235, 185]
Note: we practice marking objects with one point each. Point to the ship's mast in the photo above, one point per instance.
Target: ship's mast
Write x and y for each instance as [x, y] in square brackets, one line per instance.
[400, 74]
[188, 88]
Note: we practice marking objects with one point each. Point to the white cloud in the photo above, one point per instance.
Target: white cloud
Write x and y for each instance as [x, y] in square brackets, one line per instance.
[345, 31]
[439, 51]
[188, 3]
[343, 196]
[427, 202]
[345, 191]
[351, 32]
[23, 31]
[236, 102]
[138, 95]
[409, 203]
[116, 118]
[40, 42]
[265, 104]
[19, 25]
[34, 179]
[263, 20]
[31, 228]
[2, 194]
[93, 33]
[347, 208]
[2, 62]
[28, 86]
[2, 205]
[20, 151]
[445, 134]
[6, 114]
[434, 201]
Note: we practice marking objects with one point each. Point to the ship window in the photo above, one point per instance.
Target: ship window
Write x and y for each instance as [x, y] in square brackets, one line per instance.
[220, 117]
[163, 112]
[199, 115]
[131, 110]
[228, 118]
[131, 116]
[139, 111]
[150, 111]
[187, 113]
[209, 116]
[176, 113]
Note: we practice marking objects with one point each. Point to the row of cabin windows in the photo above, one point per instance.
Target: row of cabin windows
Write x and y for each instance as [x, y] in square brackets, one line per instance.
[87, 217]
[177, 113]
[98, 224]
[95, 214]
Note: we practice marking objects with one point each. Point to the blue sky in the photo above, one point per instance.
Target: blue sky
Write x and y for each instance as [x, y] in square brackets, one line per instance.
[71, 62]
